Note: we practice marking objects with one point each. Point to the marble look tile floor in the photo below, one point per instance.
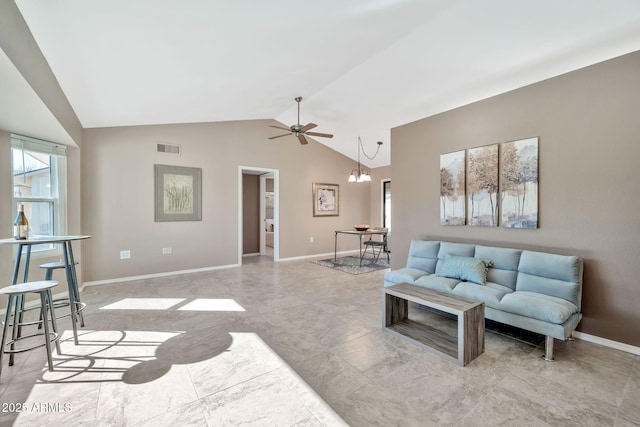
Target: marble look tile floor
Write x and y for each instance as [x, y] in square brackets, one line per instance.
[296, 344]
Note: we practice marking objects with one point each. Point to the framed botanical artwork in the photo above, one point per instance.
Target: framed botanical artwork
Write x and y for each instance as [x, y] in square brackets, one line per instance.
[326, 199]
[519, 183]
[482, 186]
[178, 193]
[452, 188]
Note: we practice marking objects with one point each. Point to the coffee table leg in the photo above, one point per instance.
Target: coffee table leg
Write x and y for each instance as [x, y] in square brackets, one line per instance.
[396, 309]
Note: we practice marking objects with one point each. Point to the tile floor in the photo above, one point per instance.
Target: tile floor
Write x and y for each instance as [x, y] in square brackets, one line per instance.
[294, 343]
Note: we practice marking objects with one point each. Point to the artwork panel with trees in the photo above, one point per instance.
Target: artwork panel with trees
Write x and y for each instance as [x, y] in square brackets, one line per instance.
[178, 193]
[178, 197]
[482, 186]
[452, 188]
[519, 183]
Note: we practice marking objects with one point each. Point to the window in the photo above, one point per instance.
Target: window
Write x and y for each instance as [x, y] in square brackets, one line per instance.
[39, 182]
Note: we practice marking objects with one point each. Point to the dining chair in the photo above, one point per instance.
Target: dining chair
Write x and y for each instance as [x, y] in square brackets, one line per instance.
[377, 243]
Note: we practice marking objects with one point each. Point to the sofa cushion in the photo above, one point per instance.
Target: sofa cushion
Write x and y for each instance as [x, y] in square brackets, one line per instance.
[423, 255]
[402, 275]
[505, 264]
[490, 294]
[464, 268]
[437, 283]
[458, 249]
[538, 306]
[550, 274]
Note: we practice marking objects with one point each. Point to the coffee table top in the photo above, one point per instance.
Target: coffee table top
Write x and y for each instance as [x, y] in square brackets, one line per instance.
[439, 300]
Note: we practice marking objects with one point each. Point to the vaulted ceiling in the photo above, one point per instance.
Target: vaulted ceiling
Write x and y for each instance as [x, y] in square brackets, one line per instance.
[362, 66]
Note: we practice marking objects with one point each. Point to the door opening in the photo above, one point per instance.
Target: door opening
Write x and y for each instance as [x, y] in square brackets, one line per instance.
[258, 211]
[386, 203]
[386, 210]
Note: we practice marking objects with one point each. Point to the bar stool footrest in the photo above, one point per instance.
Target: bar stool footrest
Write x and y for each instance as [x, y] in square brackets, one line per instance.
[80, 305]
[53, 338]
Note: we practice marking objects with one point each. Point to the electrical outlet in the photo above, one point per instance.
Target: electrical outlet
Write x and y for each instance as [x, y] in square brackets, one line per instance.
[167, 251]
[310, 239]
[125, 254]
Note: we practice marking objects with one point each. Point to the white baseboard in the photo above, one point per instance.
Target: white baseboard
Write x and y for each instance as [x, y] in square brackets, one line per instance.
[150, 276]
[317, 255]
[607, 342]
[197, 270]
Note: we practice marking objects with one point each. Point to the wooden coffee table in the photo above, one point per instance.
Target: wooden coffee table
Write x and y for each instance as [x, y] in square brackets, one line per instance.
[462, 349]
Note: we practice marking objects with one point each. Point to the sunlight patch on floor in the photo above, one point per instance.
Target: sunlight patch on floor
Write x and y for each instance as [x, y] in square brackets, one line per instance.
[144, 304]
[212, 304]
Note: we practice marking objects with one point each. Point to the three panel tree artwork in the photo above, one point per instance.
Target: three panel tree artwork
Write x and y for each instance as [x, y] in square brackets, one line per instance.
[491, 185]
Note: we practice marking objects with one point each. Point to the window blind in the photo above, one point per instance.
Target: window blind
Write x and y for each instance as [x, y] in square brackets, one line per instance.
[33, 144]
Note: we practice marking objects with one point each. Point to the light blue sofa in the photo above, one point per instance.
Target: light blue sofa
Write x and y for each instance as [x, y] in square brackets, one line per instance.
[536, 291]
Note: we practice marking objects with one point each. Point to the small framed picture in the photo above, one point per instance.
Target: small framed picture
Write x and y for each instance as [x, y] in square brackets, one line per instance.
[326, 199]
[178, 193]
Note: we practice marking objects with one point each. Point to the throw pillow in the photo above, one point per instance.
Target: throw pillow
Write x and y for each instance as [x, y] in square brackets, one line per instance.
[465, 268]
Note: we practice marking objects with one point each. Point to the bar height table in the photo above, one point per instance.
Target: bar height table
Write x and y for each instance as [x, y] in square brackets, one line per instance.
[354, 233]
[69, 262]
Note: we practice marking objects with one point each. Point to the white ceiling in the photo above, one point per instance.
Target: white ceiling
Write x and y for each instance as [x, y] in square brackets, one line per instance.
[362, 66]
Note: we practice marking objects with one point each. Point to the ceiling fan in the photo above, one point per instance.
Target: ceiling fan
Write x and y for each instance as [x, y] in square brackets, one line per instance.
[300, 131]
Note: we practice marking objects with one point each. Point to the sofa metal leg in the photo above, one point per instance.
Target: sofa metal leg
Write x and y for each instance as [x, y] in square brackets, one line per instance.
[548, 348]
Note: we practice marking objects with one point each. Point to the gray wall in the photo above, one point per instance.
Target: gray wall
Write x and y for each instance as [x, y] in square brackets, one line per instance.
[117, 194]
[588, 125]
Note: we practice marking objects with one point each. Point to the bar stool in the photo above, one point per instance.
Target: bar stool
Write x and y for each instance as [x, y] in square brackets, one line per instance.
[15, 300]
[72, 288]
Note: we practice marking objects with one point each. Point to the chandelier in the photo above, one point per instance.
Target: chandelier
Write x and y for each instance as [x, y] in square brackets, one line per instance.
[361, 174]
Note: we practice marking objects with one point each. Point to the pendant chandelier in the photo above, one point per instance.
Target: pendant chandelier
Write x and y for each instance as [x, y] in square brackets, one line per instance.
[361, 174]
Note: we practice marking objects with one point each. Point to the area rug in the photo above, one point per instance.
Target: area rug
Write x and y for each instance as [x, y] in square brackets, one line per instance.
[351, 264]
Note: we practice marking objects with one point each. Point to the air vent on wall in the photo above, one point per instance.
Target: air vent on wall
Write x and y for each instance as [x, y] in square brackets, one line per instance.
[169, 149]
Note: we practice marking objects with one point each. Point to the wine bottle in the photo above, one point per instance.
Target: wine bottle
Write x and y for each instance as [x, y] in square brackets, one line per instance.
[21, 225]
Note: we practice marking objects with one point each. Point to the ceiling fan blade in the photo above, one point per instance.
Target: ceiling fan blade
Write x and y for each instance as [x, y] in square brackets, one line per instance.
[302, 139]
[308, 127]
[279, 136]
[324, 135]
[280, 127]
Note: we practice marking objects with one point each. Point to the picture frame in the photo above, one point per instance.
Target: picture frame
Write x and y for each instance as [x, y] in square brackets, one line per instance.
[519, 183]
[178, 193]
[452, 188]
[482, 186]
[326, 199]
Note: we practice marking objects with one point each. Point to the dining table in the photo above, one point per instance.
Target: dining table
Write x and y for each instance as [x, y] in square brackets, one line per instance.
[359, 233]
[25, 246]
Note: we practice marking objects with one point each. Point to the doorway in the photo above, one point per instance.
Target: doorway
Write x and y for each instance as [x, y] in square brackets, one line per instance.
[386, 203]
[258, 214]
[386, 210]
